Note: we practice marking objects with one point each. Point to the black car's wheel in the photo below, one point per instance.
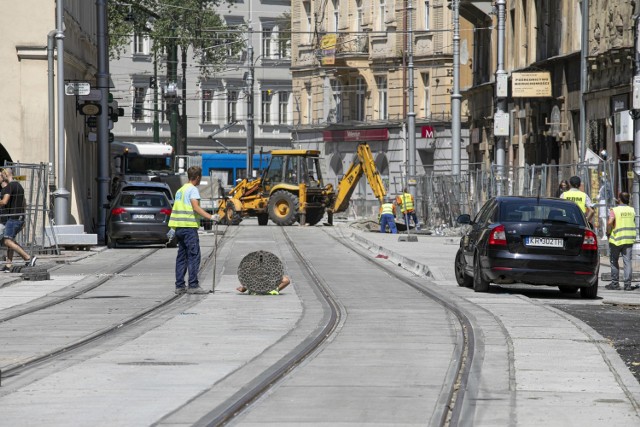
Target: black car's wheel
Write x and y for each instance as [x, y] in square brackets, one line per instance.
[263, 219]
[283, 208]
[590, 292]
[568, 289]
[314, 216]
[462, 277]
[479, 282]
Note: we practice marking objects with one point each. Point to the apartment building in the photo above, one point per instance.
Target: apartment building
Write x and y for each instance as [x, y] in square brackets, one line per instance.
[350, 83]
[24, 124]
[216, 105]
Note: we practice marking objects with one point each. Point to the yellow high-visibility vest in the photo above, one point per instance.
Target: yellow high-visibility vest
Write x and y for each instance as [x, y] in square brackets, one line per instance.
[182, 214]
[386, 208]
[624, 232]
[407, 202]
[578, 197]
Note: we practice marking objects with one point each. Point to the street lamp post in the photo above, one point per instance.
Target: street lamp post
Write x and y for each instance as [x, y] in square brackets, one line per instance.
[250, 107]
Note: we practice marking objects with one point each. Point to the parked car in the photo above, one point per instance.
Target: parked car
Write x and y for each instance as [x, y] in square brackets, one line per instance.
[538, 241]
[161, 187]
[138, 217]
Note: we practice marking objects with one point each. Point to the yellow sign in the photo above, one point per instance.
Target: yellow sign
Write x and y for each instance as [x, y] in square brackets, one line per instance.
[531, 85]
[328, 47]
[630, 174]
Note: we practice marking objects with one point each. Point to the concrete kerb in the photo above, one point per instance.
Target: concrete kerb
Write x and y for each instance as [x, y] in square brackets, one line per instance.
[404, 262]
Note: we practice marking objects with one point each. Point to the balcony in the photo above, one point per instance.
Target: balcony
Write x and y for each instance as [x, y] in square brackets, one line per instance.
[352, 45]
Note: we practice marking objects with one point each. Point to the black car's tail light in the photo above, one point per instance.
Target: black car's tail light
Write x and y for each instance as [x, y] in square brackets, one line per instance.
[590, 242]
[118, 211]
[165, 211]
[498, 236]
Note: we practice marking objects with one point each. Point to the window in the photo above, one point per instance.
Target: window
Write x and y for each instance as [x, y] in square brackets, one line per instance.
[359, 16]
[138, 111]
[283, 108]
[284, 45]
[307, 12]
[426, 95]
[381, 82]
[266, 107]
[232, 105]
[267, 32]
[140, 44]
[309, 111]
[426, 15]
[361, 93]
[336, 92]
[207, 106]
[336, 15]
[382, 15]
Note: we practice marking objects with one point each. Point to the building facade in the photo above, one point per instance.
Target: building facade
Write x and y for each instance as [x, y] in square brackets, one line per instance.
[216, 105]
[24, 129]
[350, 84]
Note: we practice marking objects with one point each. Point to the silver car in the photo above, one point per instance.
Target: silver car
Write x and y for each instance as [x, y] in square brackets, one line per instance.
[138, 217]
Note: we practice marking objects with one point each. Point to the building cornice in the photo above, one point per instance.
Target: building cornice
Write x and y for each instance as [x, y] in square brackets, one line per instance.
[32, 52]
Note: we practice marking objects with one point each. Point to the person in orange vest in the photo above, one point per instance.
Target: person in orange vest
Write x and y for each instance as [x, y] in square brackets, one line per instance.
[580, 198]
[621, 230]
[388, 216]
[407, 206]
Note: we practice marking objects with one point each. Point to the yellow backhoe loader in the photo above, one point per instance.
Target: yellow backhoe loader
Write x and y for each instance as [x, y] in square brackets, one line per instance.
[291, 190]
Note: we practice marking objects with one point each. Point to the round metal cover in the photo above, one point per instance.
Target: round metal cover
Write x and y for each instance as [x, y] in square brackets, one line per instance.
[260, 272]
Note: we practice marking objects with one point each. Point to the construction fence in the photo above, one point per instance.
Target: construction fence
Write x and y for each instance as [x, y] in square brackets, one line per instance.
[442, 198]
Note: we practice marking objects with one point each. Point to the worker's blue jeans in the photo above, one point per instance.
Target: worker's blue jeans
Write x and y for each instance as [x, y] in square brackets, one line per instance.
[188, 257]
[387, 219]
[614, 255]
[408, 216]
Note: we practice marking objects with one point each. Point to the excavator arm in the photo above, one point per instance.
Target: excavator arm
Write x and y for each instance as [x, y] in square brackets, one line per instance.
[363, 165]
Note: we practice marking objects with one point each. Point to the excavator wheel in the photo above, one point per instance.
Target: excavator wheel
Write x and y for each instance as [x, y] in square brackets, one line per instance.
[231, 216]
[283, 208]
[263, 219]
[314, 216]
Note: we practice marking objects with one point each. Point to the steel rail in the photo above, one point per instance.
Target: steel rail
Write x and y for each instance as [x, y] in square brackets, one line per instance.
[238, 402]
[455, 393]
[13, 369]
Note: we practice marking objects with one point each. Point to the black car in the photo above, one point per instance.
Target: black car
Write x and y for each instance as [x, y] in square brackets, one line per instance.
[538, 241]
[138, 217]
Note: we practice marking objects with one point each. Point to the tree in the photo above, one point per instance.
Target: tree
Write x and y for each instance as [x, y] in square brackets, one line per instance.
[172, 25]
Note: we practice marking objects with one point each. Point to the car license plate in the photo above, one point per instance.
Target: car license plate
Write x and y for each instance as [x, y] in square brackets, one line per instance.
[547, 242]
[144, 216]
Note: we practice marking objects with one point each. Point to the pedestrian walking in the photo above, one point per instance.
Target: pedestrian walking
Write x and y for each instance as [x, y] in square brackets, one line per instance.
[621, 230]
[564, 186]
[407, 207]
[13, 205]
[581, 198]
[185, 220]
[388, 216]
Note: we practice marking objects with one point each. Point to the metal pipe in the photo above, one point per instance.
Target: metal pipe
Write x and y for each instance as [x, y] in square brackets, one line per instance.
[250, 101]
[52, 107]
[456, 98]
[102, 79]
[502, 100]
[584, 75]
[61, 195]
[411, 115]
[636, 127]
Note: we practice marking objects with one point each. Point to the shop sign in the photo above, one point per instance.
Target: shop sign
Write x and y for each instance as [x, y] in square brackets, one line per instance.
[356, 135]
[328, 48]
[428, 132]
[531, 85]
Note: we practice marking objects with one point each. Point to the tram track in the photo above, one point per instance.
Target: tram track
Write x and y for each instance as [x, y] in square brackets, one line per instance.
[30, 361]
[452, 396]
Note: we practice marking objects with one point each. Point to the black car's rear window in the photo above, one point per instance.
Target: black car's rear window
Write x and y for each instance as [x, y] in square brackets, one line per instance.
[535, 210]
[144, 200]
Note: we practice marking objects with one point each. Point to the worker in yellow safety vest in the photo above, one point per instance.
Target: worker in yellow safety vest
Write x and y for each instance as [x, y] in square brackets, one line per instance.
[185, 220]
[388, 216]
[621, 229]
[581, 198]
[405, 201]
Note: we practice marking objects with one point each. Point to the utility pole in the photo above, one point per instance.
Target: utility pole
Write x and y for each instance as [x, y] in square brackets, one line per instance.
[183, 117]
[61, 195]
[456, 98]
[501, 119]
[250, 119]
[102, 79]
[172, 93]
[156, 118]
[636, 123]
[584, 75]
[411, 115]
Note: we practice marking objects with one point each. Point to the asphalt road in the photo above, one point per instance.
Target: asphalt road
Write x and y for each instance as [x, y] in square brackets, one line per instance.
[618, 323]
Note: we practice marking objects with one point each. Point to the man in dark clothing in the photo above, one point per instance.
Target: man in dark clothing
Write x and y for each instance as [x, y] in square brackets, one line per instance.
[12, 202]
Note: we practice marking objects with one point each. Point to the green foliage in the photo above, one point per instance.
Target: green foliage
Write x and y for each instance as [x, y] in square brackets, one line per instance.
[187, 23]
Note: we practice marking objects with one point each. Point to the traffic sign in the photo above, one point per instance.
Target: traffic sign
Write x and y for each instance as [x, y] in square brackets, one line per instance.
[77, 88]
[93, 95]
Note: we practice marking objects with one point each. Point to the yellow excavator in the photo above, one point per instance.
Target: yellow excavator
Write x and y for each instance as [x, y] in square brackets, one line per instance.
[291, 190]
